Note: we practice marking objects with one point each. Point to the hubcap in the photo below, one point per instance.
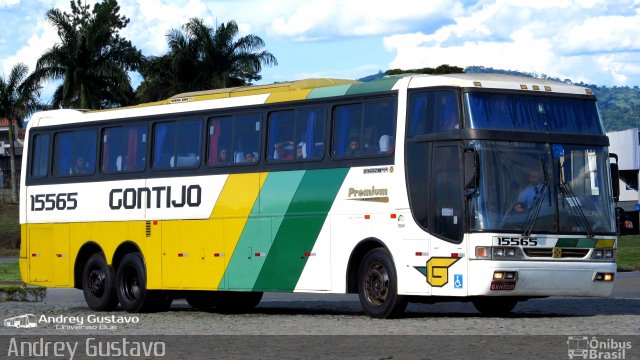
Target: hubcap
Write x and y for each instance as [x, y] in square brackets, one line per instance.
[96, 282]
[131, 284]
[376, 284]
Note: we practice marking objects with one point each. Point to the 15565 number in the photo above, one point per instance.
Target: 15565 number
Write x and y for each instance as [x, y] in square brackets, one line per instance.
[509, 241]
[48, 202]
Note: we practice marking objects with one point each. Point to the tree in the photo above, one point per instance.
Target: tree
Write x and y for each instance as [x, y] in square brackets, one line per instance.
[92, 59]
[203, 57]
[18, 99]
[440, 70]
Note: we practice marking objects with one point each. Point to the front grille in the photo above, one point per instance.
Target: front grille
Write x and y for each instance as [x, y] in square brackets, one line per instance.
[567, 253]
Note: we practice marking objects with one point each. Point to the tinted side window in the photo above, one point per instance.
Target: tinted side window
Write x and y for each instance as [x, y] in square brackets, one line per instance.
[296, 135]
[40, 156]
[234, 139]
[446, 196]
[432, 111]
[177, 144]
[347, 130]
[74, 153]
[367, 128]
[124, 149]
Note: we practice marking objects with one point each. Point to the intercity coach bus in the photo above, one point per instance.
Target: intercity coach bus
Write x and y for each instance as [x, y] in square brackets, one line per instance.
[472, 187]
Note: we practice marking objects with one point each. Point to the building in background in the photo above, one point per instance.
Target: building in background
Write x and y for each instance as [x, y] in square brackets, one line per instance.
[626, 144]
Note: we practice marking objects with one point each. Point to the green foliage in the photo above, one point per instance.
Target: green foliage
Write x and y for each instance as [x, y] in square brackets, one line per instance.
[628, 256]
[442, 69]
[202, 57]
[18, 94]
[92, 58]
[9, 271]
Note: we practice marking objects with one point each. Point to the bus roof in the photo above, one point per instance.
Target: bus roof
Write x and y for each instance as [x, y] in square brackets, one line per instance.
[302, 90]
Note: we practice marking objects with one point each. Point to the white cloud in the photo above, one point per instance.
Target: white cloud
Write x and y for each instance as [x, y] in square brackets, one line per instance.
[324, 19]
[7, 3]
[584, 41]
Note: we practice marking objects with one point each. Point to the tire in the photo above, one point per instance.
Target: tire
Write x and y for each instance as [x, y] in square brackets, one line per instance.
[131, 285]
[495, 306]
[378, 286]
[236, 301]
[98, 284]
[202, 300]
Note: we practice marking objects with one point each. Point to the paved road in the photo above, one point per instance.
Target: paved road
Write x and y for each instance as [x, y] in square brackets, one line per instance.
[316, 314]
[547, 325]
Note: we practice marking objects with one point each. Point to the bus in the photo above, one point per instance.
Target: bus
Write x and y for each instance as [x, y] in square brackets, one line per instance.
[485, 188]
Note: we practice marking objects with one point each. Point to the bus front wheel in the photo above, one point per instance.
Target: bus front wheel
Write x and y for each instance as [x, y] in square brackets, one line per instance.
[98, 284]
[495, 306]
[378, 286]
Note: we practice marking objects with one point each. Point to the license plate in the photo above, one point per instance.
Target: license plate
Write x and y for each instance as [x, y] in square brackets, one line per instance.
[503, 285]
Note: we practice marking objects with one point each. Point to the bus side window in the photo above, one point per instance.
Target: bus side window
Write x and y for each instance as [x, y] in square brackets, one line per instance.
[309, 134]
[74, 153]
[124, 149]
[40, 156]
[432, 112]
[347, 130]
[234, 139]
[177, 144]
[281, 130]
[246, 138]
[379, 126]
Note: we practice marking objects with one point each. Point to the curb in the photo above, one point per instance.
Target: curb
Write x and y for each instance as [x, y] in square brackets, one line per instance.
[20, 292]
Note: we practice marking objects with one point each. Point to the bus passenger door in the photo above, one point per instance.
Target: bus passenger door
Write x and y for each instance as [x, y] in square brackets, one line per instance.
[446, 267]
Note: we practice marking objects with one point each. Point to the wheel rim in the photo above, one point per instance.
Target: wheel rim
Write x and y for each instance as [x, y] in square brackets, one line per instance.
[376, 284]
[130, 284]
[96, 282]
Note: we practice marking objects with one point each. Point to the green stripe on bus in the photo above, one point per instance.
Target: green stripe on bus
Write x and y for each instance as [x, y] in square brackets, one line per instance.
[576, 243]
[257, 236]
[328, 91]
[373, 86]
[300, 228]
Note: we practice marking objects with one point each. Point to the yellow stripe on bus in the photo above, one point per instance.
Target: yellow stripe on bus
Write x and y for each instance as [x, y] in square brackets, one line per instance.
[234, 205]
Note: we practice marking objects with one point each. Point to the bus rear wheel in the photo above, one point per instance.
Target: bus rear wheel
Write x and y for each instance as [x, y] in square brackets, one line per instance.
[495, 306]
[131, 287]
[378, 286]
[98, 284]
[236, 301]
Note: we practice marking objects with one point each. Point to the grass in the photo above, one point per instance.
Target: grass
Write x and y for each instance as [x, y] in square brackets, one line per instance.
[628, 256]
[9, 272]
[9, 230]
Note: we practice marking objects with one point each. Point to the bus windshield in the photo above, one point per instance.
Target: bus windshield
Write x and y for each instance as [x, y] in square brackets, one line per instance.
[532, 113]
[542, 188]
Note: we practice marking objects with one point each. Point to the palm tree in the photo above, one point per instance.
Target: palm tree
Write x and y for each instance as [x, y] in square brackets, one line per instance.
[18, 99]
[91, 59]
[203, 57]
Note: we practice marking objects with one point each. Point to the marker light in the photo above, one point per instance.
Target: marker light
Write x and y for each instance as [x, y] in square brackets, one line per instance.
[483, 252]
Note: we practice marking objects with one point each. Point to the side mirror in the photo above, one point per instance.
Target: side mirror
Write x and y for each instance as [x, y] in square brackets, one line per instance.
[471, 171]
[615, 177]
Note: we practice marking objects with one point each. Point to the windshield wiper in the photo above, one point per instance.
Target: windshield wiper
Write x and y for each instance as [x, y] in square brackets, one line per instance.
[575, 205]
[532, 216]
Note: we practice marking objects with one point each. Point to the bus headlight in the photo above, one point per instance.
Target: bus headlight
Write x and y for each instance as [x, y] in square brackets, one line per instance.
[504, 252]
[603, 254]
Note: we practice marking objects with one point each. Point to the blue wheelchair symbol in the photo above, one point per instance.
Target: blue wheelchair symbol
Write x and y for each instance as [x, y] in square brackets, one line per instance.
[457, 281]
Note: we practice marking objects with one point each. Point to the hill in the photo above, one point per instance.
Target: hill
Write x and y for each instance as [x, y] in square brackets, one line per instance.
[619, 105]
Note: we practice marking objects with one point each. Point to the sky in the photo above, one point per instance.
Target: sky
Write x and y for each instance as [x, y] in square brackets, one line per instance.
[591, 41]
